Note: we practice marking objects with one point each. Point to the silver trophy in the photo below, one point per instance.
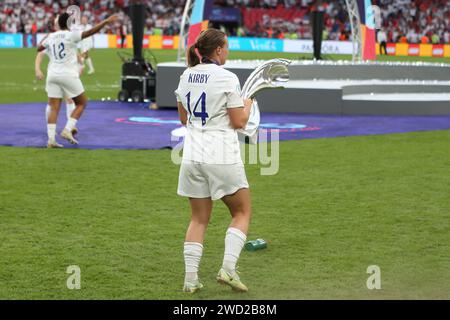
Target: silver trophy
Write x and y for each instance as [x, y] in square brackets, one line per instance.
[271, 74]
[75, 16]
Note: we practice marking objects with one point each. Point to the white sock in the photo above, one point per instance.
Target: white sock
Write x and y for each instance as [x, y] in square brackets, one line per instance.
[71, 123]
[234, 242]
[47, 112]
[192, 254]
[51, 131]
[90, 65]
[69, 109]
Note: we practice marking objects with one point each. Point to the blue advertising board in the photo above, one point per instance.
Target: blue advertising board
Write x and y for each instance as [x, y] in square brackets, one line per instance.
[11, 40]
[255, 44]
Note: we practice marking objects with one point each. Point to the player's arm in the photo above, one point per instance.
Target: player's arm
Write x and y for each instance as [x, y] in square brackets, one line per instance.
[37, 65]
[40, 46]
[239, 116]
[182, 113]
[99, 26]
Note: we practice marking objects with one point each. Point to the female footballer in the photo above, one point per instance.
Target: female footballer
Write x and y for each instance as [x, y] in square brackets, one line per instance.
[70, 104]
[210, 105]
[62, 74]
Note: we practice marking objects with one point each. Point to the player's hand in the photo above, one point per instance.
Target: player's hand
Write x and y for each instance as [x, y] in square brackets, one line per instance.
[112, 19]
[39, 75]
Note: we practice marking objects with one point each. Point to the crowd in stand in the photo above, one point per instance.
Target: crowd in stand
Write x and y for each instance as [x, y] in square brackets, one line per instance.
[416, 21]
[26, 16]
[412, 21]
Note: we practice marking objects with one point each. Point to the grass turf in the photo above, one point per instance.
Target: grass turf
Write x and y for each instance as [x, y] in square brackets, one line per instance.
[335, 207]
[18, 83]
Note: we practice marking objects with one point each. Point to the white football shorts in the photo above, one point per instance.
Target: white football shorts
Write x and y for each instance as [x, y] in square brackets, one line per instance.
[63, 86]
[201, 180]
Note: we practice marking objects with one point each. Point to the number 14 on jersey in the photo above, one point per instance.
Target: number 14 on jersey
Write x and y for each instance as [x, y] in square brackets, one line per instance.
[202, 101]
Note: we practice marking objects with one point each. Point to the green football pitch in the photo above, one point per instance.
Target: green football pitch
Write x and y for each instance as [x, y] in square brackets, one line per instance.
[18, 83]
[336, 207]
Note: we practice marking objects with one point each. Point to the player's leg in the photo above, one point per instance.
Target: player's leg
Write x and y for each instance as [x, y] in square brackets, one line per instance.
[239, 205]
[193, 246]
[70, 107]
[384, 47]
[73, 88]
[193, 184]
[80, 105]
[200, 214]
[55, 94]
[89, 63]
[80, 63]
[47, 112]
[54, 104]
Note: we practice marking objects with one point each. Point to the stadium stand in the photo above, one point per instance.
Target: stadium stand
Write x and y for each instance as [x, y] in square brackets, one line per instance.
[411, 21]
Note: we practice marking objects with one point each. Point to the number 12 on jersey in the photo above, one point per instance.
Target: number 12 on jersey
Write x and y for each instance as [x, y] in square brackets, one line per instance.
[203, 114]
[59, 53]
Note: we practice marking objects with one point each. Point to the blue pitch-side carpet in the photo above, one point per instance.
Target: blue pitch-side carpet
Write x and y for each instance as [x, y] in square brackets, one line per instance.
[115, 125]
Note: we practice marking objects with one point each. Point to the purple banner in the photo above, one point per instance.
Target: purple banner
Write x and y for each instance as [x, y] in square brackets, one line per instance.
[219, 14]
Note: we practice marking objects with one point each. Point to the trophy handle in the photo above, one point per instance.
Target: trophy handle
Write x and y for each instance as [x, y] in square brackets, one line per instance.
[271, 74]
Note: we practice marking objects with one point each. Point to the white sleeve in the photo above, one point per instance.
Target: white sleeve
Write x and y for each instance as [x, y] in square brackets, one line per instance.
[178, 90]
[233, 92]
[75, 36]
[44, 42]
[177, 95]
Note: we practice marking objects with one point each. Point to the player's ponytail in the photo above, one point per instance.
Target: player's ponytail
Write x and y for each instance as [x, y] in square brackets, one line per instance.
[193, 58]
[204, 47]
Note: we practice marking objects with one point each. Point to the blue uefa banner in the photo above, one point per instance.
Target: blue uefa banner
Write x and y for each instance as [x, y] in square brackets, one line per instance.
[11, 40]
[255, 44]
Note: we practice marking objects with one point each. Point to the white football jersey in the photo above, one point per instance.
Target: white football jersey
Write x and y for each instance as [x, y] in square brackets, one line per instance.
[89, 41]
[61, 47]
[206, 92]
[77, 27]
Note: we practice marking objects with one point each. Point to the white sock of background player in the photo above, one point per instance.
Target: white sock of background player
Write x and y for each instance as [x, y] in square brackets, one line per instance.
[69, 109]
[47, 113]
[90, 65]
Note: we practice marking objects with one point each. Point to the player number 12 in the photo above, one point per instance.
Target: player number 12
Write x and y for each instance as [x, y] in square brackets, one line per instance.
[60, 54]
